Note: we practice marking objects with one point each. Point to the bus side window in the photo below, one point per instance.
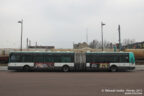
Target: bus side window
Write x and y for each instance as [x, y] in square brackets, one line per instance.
[66, 59]
[15, 58]
[49, 58]
[57, 58]
[124, 59]
[12, 58]
[116, 58]
[38, 58]
[27, 58]
[90, 58]
[72, 59]
[127, 59]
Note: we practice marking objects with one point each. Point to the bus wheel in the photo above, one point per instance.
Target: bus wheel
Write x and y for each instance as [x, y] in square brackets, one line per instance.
[26, 68]
[65, 68]
[114, 69]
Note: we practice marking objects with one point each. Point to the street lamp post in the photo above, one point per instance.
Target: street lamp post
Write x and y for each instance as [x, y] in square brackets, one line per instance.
[21, 22]
[102, 24]
[119, 30]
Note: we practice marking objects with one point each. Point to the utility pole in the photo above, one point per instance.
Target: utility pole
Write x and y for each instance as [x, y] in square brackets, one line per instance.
[119, 37]
[102, 24]
[27, 43]
[87, 35]
[21, 22]
[35, 44]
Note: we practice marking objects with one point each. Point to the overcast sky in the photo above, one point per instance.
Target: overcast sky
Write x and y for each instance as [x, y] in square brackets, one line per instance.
[59, 23]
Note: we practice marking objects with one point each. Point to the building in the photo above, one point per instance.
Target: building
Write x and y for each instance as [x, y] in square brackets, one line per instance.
[137, 45]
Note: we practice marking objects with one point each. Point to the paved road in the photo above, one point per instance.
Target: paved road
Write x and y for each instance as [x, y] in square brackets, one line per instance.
[71, 83]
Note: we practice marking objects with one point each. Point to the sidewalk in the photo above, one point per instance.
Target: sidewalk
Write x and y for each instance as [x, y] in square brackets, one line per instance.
[139, 68]
[3, 68]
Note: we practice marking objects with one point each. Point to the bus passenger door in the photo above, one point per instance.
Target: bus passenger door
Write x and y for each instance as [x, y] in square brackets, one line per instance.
[80, 61]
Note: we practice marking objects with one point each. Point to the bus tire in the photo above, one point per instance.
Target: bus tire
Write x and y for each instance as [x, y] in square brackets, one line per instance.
[26, 68]
[113, 69]
[65, 68]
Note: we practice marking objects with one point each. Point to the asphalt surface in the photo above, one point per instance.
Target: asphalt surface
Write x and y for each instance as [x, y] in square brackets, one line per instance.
[71, 83]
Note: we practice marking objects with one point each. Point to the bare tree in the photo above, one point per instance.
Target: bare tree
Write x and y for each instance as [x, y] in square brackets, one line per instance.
[94, 44]
[128, 41]
[97, 44]
[107, 44]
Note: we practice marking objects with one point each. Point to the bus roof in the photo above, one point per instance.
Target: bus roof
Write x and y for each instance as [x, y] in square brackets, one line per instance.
[64, 52]
[109, 52]
[40, 52]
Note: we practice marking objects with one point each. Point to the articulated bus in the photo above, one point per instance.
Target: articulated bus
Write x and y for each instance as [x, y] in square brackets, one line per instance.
[71, 61]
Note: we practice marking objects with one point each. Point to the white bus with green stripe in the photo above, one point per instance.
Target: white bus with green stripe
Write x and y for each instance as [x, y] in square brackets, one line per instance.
[71, 61]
